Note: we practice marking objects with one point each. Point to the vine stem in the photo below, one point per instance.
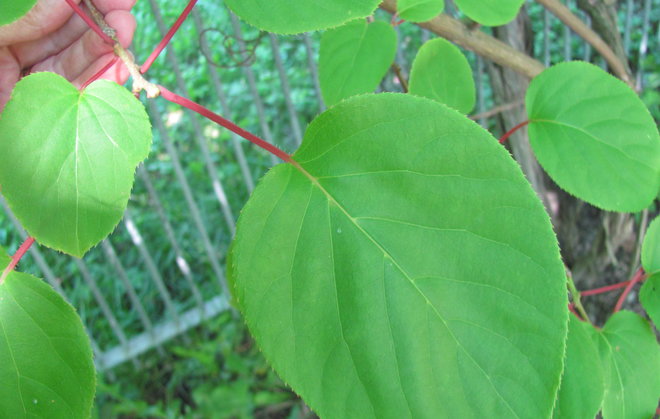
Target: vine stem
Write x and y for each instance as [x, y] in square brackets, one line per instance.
[16, 258]
[575, 296]
[195, 107]
[90, 22]
[639, 277]
[512, 131]
[168, 37]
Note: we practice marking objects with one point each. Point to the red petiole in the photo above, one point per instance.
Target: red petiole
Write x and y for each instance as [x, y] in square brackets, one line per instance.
[638, 277]
[168, 37]
[512, 131]
[16, 258]
[90, 22]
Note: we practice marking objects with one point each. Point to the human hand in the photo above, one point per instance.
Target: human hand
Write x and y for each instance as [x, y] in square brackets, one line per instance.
[52, 38]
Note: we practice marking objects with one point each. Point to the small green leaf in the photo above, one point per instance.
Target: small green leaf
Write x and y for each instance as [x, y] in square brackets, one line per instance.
[389, 271]
[68, 158]
[47, 369]
[651, 247]
[490, 12]
[594, 137]
[649, 296]
[12, 10]
[441, 72]
[296, 16]
[582, 386]
[419, 10]
[631, 361]
[354, 58]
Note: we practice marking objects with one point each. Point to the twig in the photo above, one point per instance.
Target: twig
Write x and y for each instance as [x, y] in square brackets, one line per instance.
[498, 110]
[579, 27]
[399, 75]
[479, 42]
[575, 296]
[99, 25]
[640, 240]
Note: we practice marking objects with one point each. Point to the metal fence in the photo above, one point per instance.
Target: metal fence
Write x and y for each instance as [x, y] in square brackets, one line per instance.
[162, 272]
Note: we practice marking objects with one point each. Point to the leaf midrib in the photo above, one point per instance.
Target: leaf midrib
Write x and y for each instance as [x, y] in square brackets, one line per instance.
[330, 198]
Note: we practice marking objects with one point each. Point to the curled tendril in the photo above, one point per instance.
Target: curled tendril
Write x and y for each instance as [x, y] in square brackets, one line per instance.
[240, 52]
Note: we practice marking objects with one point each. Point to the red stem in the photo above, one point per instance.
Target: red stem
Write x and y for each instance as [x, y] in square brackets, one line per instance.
[195, 107]
[602, 290]
[100, 73]
[571, 307]
[512, 131]
[16, 258]
[168, 37]
[639, 277]
[90, 22]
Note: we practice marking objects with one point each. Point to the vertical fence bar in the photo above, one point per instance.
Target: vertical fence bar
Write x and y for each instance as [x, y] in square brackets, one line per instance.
[546, 37]
[217, 85]
[138, 241]
[181, 262]
[252, 84]
[110, 252]
[199, 135]
[313, 70]
[643, 46]
[188, 195]
[286, 90]
[630, 9]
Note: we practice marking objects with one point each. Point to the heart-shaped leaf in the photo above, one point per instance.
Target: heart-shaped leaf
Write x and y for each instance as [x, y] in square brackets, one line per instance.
[68, 158]
[389, 270]
[631, 361]
[594, 136]
[14, 10]
[582, 385]
[296, 16]
[441, 72]
[47, 369]
[651, 247]
[354, 58]
[490, 12]
[649, 296]
[419, 10]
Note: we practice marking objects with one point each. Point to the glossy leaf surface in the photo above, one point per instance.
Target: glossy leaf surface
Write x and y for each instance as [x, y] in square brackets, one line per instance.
[47, 369]
[649, 296]
[490, 12]
[582, 385]
[390, 273]
[12, 10]
[651, 247]
[296, 16]
[594, 136]
[631, 361]
[419, 10]
[354, 58]
[68, 158]
[441, 72]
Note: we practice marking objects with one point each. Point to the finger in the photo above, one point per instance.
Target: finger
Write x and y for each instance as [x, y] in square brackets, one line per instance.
[9, 75]
[45, 17]
[32, 52]
[117, 73]
[82, 54]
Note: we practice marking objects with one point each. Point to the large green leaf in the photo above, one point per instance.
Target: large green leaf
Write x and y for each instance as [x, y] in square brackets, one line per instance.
[12, 10]
[631, 360]
[68, 158]
[354, 58]
[390, 272]
[582, 385]
[594, 136]
[295, 16]
[649, 296]
[490, 12]
[47, 369]
[4, 260]
[419, 10]
[441, 72]
[651, 247]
